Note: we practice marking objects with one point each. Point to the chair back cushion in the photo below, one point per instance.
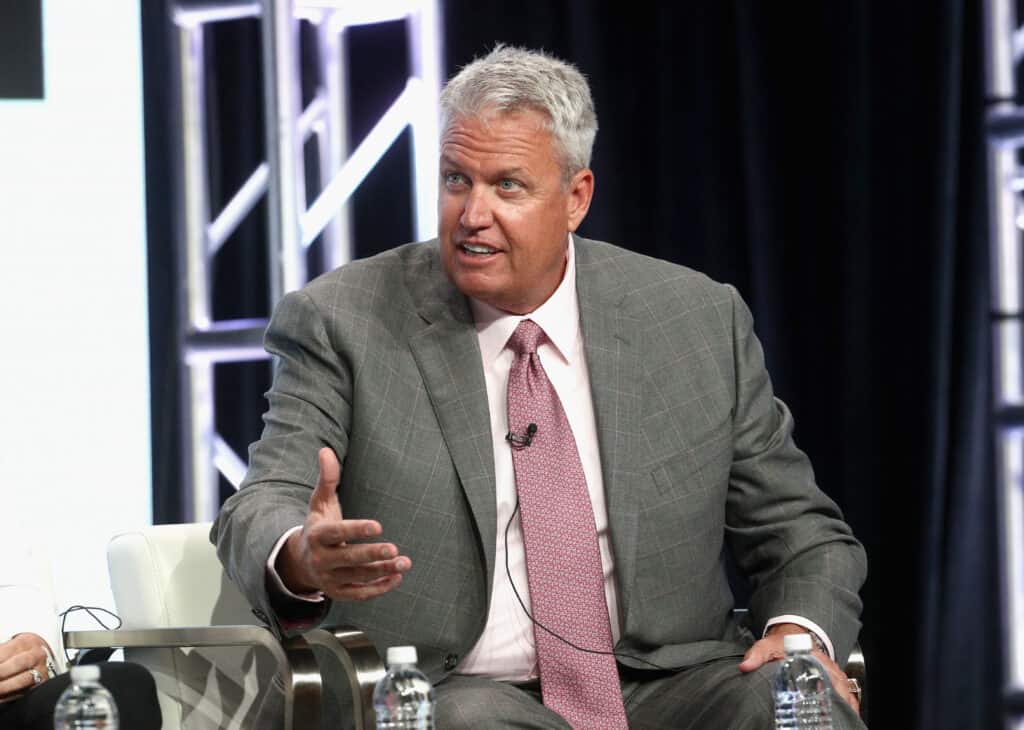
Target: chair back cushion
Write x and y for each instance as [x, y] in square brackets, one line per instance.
[169, 576]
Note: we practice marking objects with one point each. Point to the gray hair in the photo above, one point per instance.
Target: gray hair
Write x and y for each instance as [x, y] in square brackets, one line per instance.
[510, 79]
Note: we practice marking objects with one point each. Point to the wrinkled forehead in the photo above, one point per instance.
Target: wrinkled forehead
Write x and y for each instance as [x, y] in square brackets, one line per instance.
[531, 117]
[511, 126]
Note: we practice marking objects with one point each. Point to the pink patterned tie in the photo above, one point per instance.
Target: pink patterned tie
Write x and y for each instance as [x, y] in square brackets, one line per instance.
[563, 560]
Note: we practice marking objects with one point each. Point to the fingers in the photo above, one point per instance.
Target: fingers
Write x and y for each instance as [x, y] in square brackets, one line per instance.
[329, 557]
[324, 500]
[768, 649]
[9, 648]
[835, 674]
[358, 564]
[840, 682]
[16, 685]
[364, 591]
[369, 572]
[361, 581]
[353, 571]
[843, 690]
[841, 686]
[330, 534]
[24, 653]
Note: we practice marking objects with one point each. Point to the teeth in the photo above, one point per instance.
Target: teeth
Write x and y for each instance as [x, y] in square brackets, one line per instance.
[477, 249]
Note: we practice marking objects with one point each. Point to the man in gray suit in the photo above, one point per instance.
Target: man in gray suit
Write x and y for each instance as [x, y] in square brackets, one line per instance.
[389, 403]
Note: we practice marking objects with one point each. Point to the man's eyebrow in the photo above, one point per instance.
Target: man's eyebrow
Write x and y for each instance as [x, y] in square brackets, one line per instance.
[517, 171]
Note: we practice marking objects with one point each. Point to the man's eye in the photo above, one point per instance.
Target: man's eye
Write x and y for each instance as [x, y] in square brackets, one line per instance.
[507, 185]
[454, 178]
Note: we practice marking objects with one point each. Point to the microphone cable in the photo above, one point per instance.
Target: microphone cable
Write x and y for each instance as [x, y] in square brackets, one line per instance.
[508, 572]
[89, 610]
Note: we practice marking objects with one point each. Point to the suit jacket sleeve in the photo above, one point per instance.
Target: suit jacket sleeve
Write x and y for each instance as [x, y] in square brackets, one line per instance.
[787, 536]
[309, 407]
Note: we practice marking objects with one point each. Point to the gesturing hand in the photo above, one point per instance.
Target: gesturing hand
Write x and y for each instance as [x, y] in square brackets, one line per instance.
[769, 649]
[18, 658]
[319, 557]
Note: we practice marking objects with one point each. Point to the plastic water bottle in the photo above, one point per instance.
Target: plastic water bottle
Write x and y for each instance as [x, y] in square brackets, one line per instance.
[803, 691]
[85, 704]
[403, 698]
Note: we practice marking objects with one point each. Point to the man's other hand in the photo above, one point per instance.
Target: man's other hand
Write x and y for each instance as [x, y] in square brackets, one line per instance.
[769, 649]
[319, 557]
[19, 658]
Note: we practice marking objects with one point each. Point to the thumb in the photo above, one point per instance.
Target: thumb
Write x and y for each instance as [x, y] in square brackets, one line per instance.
[757, 655]
[324, 500]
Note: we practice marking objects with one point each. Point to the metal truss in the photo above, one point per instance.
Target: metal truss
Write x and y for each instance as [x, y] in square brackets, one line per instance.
[293, 225]
[1005, 135]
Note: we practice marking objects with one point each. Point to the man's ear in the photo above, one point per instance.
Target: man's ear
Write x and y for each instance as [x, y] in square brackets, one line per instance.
[580, 191]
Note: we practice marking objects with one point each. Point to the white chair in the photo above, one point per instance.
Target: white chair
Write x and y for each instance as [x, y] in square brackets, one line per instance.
[188, 624]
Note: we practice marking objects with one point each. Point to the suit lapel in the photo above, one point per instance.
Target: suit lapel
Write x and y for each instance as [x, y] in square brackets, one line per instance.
[611, 342]
[448, 357]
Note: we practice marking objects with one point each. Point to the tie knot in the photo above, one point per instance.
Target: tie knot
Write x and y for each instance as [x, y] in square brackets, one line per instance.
[525, 339]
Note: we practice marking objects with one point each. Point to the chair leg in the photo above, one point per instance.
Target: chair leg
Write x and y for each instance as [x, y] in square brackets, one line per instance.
[303, 696]
[362, 666]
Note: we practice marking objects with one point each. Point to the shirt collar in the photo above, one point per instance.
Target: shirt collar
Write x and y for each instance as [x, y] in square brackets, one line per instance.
[559, 317]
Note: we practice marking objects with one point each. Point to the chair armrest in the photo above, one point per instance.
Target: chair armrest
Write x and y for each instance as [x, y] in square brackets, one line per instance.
[855, 667]
[362, 665]
[303, 686]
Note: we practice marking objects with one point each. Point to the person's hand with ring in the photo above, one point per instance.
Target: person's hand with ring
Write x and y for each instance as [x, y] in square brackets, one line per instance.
[770, 649]
[24, 663]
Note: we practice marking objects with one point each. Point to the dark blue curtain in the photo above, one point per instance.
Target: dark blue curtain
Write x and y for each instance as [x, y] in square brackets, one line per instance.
[827, 159]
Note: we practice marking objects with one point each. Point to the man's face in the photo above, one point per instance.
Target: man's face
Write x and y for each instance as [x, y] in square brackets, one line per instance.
[504, 214]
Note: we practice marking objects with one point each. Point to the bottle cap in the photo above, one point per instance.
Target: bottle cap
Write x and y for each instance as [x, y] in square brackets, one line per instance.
[797, 642]
[401, 655]
[85, 673]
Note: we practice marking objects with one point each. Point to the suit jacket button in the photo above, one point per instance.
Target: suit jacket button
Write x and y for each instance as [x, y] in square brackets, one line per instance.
[450, 660]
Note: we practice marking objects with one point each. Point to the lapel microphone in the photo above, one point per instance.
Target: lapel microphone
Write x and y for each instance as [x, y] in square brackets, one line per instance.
[521, 441]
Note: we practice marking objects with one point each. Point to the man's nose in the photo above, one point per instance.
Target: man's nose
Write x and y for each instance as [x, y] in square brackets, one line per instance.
[477, 212]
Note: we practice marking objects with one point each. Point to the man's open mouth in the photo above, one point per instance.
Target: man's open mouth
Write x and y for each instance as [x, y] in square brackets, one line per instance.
[478, 250]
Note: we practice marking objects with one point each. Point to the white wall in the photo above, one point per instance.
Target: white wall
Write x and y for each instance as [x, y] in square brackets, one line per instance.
[74, 411]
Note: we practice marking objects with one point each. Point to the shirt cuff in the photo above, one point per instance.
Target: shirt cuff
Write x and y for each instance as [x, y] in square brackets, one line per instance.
[807, 624]
[275, 580]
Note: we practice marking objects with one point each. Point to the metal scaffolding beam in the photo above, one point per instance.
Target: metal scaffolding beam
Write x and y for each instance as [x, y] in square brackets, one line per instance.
[1005, 136]
[292, 224]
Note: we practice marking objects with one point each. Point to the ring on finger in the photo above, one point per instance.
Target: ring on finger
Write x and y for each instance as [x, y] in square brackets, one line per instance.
[854, 686]
[37, 678]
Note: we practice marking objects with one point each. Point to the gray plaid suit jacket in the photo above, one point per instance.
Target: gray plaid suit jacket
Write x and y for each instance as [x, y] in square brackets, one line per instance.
[379, 361]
